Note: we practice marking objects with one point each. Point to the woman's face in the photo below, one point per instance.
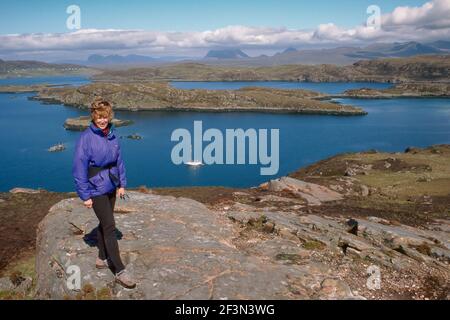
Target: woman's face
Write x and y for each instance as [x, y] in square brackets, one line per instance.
[102, 123]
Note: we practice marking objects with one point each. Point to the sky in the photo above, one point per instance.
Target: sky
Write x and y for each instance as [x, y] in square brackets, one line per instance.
[37, 29]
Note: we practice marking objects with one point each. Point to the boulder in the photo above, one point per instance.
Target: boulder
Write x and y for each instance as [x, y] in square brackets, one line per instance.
[23, 190]
[6, 284]
[364, 190]
[335, 289]
[176, 248]
[313, 193]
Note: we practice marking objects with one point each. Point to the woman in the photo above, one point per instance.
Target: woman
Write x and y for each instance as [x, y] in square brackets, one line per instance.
[99, 174]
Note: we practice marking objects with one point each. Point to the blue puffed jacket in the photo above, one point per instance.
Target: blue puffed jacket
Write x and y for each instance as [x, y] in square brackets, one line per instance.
[93, 148]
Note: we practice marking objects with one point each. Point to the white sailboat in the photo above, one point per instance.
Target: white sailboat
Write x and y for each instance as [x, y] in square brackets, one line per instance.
[194, 163]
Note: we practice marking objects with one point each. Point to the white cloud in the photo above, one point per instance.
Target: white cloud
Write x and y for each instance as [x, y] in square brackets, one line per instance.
[432, 15]
[425, 23]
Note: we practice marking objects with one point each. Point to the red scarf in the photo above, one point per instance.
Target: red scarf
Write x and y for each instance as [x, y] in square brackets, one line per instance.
[105, 131]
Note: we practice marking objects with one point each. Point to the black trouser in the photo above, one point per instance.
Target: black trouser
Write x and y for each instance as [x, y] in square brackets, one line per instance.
[108, 247]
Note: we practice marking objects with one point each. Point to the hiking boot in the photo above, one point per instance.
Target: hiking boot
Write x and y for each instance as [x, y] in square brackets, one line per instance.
[124, 279]
[101, 264]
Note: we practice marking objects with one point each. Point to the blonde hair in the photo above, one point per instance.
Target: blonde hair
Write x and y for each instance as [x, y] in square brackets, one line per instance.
[101, 108]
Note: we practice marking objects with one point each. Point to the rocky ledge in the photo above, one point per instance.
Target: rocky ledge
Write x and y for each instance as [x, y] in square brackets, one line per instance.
[179, 248]
[82, 122]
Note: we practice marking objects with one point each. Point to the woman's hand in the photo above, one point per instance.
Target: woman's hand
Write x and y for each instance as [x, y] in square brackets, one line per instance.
[88, 203]
[120, 192]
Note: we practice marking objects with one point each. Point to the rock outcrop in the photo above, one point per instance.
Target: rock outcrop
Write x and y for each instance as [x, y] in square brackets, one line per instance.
[178, 248]
[82, 122]
[314, 194]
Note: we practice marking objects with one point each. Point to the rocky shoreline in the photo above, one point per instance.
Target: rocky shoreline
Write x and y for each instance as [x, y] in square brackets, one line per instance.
[403, 90]
[310, 235]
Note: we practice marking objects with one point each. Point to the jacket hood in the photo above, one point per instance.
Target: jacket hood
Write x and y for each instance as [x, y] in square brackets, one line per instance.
[99, 131]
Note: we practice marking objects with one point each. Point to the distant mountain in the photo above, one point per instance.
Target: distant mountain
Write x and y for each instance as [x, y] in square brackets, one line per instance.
[312, 56]
[226, 54]
[97, 59]
[406, 49]
[441, 44]
[31, 64]
[412, 49]
[290, 55]
[12, 68]
[340, 55]
[286, 51]
[290, 49]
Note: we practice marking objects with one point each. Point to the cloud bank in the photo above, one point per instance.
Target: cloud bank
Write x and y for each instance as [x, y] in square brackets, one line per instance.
[428, 22]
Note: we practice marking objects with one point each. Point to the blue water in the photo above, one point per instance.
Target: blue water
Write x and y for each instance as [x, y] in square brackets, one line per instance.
[28, 128]
[329, 87]
[52, 80]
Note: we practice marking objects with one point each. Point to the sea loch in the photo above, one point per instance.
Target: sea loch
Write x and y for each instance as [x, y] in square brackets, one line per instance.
[214, 151]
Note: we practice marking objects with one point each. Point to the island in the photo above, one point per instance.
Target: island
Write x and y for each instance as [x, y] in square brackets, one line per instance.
[402, 90]
[82, 122]
[161, 96]
[57, 147]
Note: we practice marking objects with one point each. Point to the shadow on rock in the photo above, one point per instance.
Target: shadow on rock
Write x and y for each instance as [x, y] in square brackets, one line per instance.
[91, 238]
